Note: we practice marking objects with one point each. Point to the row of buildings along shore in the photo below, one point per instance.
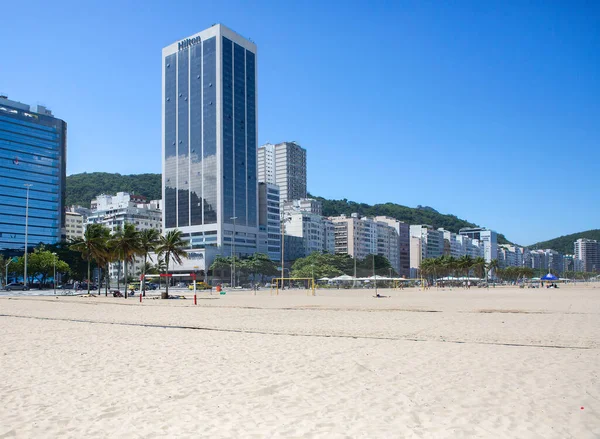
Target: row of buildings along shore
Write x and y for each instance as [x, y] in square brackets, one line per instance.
[223, 192]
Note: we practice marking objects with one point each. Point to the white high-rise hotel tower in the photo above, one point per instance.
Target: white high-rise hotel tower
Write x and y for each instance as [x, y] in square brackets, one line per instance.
[209, 137]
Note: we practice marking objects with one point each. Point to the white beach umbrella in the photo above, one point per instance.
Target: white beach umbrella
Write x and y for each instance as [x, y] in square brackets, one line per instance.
[343, 277]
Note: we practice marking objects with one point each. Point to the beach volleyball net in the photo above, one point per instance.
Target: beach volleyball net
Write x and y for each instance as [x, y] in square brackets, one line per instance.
[281, 283]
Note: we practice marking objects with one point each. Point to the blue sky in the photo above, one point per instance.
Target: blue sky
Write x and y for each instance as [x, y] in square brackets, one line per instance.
[489, 110]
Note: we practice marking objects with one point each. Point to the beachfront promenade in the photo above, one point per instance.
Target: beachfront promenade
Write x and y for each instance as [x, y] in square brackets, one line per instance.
[503, 362]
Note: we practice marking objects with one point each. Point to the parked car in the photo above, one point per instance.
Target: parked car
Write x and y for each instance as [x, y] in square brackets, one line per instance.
[13, 286]
[151, 286]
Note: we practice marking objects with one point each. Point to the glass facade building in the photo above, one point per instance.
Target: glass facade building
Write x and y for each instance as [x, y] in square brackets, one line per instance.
[210, 186]
[32, 152]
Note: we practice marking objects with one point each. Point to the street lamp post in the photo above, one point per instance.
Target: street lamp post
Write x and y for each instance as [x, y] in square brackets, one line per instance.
[27, 185]
[375, 276]
[283, 220]
[354, 280]
[54, 278]
[233, 254]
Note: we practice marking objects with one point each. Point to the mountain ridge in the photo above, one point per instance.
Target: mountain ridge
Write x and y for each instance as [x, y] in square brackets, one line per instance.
[564, 244]
[82, 188]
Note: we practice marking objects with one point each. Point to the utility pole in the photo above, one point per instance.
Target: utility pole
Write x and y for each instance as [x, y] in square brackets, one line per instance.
[233, 254]
[282, 249]
[354, 281]
[27, 185]
[375, 276]
[283, 220]
[54, 278]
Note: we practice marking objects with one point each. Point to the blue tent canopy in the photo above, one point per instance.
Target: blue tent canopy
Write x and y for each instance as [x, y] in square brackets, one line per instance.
[549, 276]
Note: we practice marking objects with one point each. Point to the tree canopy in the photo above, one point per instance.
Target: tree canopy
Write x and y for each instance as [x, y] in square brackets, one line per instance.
[40, 266]
[318, 265]
[82, 188]
[564, 244]
[256, 266]
[410, 215]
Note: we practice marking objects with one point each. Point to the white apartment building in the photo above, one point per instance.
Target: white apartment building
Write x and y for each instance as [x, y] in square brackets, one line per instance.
[360, 237]
[568, 263]
[74, 226]
[304, 204]
[315, 231]
[547, 259]
[353, 236]
[537, 260]
[114, 211]
[328, 236]
[507, 256]
[587, 255]
[554, 261]
[432, 241]
[403, 231]
[388, 244]
[83, 211]
[416, 254]
[455, 247]
[471, 247]
[284, 164]
[488, 240]
[269, 218]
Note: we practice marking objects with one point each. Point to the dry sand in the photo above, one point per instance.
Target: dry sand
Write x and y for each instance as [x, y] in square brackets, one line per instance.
[501, 362]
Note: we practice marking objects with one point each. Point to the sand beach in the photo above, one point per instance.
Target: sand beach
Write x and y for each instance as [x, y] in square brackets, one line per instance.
[452, 363]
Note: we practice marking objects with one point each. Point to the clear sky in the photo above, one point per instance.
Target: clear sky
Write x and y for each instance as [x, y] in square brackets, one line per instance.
[489, 110]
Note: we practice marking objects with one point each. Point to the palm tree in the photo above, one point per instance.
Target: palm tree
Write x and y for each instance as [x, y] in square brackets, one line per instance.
[112, 257]
[437, 265]
[103, 256]
[447, 265]
[452, 264]
[148, 240]
[479, 266]
[126, 242]
[427, 267]
[90, 246]
[494, 266]
[172, 247]
[465, 263]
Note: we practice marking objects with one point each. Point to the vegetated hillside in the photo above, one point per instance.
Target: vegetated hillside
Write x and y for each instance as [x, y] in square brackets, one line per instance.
[82, 188]
[410, 215]
[564, 244]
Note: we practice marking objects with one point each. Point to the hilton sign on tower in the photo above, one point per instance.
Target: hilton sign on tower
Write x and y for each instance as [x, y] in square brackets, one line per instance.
[188, 42]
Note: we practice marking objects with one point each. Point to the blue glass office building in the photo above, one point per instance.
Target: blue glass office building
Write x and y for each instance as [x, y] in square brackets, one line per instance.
[32, 152]
[210, 186]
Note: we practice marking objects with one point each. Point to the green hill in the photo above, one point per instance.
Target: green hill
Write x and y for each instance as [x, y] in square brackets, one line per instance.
[564, 244]
[410, 215]
[81, 188]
